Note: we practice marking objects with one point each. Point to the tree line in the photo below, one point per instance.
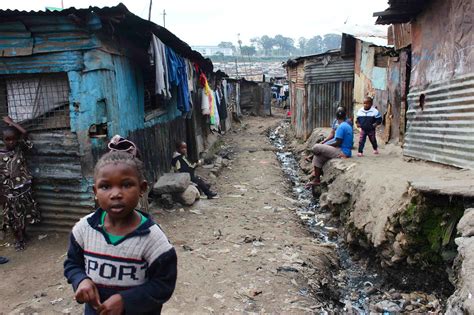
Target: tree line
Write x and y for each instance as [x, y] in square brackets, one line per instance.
[285, 46]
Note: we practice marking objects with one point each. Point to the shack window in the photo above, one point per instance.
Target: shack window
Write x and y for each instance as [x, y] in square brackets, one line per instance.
[38, 102]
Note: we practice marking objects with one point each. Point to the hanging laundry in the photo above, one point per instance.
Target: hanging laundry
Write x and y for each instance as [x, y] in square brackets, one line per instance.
[205, 104]
[224, 90]
[157, 52]
[222, 108]
[177, 76]
[215, 111]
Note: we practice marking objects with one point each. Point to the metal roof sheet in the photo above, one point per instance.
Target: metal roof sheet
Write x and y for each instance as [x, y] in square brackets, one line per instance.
[120, 15]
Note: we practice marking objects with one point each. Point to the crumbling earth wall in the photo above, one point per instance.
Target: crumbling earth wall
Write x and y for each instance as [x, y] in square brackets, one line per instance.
[403, 211]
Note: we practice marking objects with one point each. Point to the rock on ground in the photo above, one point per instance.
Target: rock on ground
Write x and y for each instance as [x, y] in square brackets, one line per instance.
[462, 301]
[189, 196]
[170, 183]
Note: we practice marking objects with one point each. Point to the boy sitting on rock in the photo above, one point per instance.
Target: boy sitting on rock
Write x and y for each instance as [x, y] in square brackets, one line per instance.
[181, 164]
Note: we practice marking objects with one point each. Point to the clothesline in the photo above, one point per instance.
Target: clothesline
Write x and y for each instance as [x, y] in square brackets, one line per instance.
[173, 73]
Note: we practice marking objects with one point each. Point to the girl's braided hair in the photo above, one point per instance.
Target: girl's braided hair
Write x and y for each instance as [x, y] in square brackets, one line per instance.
[121, 151]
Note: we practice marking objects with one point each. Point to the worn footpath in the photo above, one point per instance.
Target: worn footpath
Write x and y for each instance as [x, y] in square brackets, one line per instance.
[244, 252]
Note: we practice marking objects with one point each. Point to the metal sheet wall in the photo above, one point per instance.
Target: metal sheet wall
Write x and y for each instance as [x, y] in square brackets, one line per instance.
[442, 131]
[62, 193]
[157, 144]
[324, 99]
[337, 69]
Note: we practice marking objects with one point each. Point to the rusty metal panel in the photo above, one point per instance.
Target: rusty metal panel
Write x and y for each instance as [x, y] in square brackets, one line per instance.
[441, 128]
[442, 42]
[325, 98]
[401, 35]
[300, 73]
[157, 144]
[299, 113]
[330, 69]
[63, 195]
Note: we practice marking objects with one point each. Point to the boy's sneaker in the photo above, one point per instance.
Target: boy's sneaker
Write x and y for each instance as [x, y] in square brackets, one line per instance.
[360, 154]
[376, 152]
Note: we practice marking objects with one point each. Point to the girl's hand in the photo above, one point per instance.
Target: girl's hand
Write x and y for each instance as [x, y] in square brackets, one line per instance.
[8, 120]
[87, 293]
[112, 306]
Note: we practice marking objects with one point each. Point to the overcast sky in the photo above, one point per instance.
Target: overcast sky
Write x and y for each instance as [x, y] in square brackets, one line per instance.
[208, 22]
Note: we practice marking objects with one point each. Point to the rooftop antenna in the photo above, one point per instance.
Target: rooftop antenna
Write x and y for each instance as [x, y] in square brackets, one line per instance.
[149, 10]
[164, 18]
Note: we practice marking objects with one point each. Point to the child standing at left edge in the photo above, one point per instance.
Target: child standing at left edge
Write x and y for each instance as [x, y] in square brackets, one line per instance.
[119, 261]
[19, 207]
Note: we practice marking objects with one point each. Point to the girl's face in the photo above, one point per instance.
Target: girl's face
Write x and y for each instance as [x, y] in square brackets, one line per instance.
[10, 139]
[118, 188]
[183, 149]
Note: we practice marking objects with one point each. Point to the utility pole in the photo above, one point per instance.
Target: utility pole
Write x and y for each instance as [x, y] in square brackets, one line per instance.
[62, 4]
[149, 10]
[164, 18]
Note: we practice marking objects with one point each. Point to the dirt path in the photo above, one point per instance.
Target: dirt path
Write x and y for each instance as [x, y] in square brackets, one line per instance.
[244, 252]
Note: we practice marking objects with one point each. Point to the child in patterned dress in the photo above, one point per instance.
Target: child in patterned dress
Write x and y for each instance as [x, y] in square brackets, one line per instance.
[19, 206]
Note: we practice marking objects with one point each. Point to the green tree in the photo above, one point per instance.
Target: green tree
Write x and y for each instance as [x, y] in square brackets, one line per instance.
[302, 42]
[332, 41]
[248, 51]
[226, 45]
[314, 45]
[267, 44]
[285, 44]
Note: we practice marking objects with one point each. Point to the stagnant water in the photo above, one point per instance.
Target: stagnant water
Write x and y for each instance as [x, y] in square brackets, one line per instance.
[356, 279]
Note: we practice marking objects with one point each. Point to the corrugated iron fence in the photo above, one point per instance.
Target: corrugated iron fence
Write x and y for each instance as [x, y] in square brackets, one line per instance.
[440, 125]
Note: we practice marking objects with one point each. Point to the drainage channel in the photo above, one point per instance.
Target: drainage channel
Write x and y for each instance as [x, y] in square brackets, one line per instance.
[357, 279]
[354, 280]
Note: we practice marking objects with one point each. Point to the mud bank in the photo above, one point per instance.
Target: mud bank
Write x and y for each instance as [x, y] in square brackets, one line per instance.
[404, 214]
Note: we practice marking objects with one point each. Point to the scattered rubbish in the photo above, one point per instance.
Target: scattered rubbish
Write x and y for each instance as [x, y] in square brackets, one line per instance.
[217, 296]
[43, 236]
[187, 248]
[195, 211]
[253, 252]
[56, 301]
[286, 269]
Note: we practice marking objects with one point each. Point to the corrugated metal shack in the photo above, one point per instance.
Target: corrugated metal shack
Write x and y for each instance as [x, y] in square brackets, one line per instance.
[440, 115]
[318, 85]
[77, 77]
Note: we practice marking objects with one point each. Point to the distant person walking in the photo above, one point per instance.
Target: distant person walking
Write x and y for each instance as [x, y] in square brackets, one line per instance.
[340, 148]
[368, 118]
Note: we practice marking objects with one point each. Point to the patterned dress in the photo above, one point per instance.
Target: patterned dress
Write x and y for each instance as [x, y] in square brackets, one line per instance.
[19, 206]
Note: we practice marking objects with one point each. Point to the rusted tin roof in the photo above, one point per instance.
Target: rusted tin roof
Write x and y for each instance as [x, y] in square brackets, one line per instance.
[400, 11]
[123, 21]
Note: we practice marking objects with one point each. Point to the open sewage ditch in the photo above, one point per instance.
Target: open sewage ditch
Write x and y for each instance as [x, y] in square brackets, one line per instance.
[360, 285]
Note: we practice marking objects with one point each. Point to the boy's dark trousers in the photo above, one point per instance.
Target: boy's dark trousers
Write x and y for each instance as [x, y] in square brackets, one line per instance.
[372, 138]
[202, 184]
